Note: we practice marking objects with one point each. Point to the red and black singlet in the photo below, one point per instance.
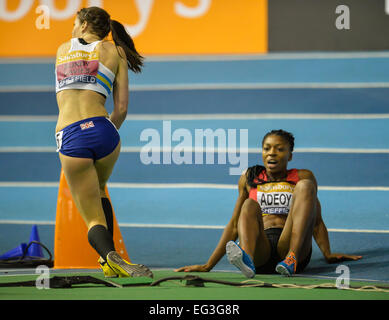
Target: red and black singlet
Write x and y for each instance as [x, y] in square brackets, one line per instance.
[274, 197]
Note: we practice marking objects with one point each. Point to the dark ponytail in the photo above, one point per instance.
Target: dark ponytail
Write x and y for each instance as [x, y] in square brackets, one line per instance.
[101, 24]
[252, 174]
[124, 40]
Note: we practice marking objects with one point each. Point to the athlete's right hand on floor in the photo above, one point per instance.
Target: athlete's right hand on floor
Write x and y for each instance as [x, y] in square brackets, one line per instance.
[194, 268]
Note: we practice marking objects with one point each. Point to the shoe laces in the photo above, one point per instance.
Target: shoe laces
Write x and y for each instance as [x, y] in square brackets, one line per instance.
[291, 259]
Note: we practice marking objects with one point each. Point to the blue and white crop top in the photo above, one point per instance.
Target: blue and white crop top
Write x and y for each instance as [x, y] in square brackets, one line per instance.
[80, 68]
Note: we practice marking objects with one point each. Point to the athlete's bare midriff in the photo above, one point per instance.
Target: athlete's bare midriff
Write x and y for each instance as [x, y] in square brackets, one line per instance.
[274, 221]
[75, 105]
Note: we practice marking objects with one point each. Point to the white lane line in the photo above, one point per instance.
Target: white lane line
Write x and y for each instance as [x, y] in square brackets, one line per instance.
[128, 149]
[25, 118]
[124, 185]
[273, 56]
[179, 226]
[27, 149]
[216, 86]
[231, 57]
[218, 116]
[249, 85]
[257, 116]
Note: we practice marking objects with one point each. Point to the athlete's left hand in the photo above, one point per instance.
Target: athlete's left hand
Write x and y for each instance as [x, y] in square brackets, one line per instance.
[338, 257]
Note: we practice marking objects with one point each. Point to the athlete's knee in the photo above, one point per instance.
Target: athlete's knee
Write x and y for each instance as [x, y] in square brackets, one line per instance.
[250, 208]
[305, 186]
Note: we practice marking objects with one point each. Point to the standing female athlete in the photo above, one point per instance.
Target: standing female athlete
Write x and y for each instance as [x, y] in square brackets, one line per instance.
[88, 69]
[275, 232]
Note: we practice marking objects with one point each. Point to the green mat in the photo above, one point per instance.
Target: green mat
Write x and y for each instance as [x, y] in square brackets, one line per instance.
[198, 286]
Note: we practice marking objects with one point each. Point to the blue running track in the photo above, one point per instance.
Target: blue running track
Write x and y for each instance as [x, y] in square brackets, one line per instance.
[172, 214]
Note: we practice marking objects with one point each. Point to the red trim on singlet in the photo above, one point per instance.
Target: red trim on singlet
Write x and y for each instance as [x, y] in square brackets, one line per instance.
[292, 176]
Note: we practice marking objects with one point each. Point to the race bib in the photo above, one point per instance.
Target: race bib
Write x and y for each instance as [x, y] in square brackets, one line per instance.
[77, 67]
[275, 197]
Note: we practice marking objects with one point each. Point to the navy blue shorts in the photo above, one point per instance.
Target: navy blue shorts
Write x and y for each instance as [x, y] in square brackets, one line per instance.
[92, 138]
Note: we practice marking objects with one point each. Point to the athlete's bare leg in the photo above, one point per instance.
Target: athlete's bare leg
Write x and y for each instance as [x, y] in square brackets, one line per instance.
[104, 167]
[83, 182]
[87, 180]
[252, 237]
[298, 230]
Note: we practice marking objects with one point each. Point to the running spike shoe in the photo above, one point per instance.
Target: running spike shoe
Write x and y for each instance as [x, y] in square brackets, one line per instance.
[107, 270]
[126, 269]
[240, 259]
[287, 267]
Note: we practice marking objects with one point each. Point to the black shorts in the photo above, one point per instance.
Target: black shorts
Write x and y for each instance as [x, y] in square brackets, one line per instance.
[273, 234]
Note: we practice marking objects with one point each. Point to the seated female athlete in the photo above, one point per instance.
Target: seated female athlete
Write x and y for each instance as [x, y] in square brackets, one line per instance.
[275, 217]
